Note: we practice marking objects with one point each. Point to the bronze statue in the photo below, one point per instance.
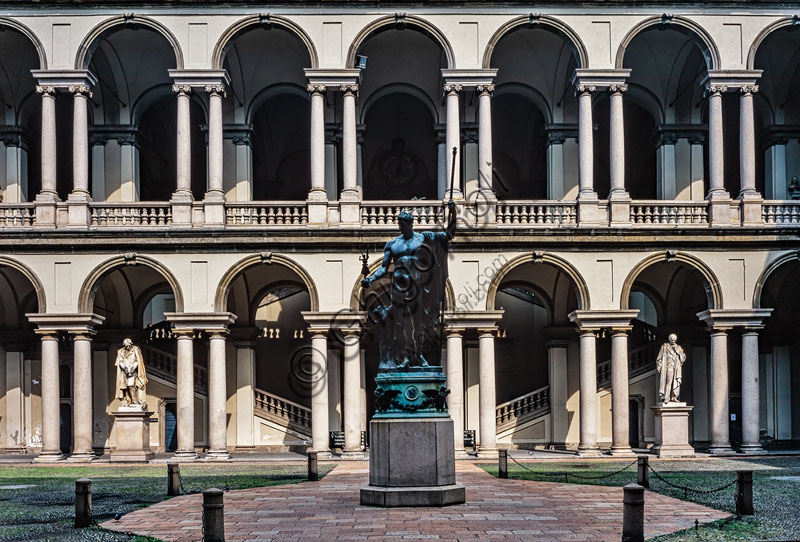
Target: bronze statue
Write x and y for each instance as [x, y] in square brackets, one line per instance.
[131, 374]
[410, 327]
[669, 365]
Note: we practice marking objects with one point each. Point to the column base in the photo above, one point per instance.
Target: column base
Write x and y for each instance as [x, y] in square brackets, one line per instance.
[218, 455]
[752, 449]
[721, 449]
[588, 452]
[486, 453]
[355, 455]
[48, 457]
[81, 457]
[621, 452]
[185, 456]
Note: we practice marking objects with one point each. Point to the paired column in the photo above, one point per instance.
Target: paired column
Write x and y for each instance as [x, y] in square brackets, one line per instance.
[585, 143]
[217, 396]
[82, 397]
[317, 142]
[715, 148]
[455, 381]
[349, 207]
[751, 199]
[51, 400]
[487, 403]
[49, 163]
[588, 393]
[453, 140]
[214, 205]
[617, 142]
[485, 137]
[183, 147]
[620, 439]
[718, 404]
[78, 210]
[751, 443]
[352, 391]
[185, 394]
[319, 391]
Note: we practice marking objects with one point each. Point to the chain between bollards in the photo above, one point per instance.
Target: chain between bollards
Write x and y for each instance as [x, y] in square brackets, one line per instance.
[313, 470]
[633, 513]
[502, 456]
[213, 516]
[83, 502]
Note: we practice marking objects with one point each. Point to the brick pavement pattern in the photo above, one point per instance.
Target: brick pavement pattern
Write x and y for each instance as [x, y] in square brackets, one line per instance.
[502, 510]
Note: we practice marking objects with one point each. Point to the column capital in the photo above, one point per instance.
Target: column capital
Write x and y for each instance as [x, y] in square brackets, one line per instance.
[183, 332]
[316, 88]
[80, 90]
[215, 90]
[182, 90]
[318, 332]
[349, 88]
[726, 319]
[621, 330]
[595, 320]
[46, 90]
[485, 89]
[618, 88]
[581, 89]
[454, 331]
[748, 90]
[217, 333]
[489, 331]
[719, 81]
[71, 323]
[452, 88]
[715, 90]
[206, 321]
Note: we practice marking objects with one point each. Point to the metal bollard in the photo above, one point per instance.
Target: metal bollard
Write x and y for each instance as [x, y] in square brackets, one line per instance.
[643, 474]
[83, 502]
[503, 463]
[633, 513]
[744, 492]
[213, 516]
[173, 479]
[313, 471]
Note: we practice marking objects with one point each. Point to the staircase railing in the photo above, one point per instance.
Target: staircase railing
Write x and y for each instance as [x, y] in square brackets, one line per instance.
[535, 403]
[640, 361]
[165, 366]
[283, 412]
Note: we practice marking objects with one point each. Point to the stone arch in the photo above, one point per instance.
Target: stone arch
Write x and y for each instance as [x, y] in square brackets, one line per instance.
[771, 268]
[684, 25]
[406, 20]
[218, 56]
[582, 290]
[92, 282]
[355, 293]
[90, 41]
[712, 286]
[399, 88]
[529, 93]
[777, 25]
[25, 31]
[552, 24]
[263, 96]
[32, 278]
[221, 297]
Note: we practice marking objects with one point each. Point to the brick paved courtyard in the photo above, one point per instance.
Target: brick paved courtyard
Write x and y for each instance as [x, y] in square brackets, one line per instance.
[495, 510]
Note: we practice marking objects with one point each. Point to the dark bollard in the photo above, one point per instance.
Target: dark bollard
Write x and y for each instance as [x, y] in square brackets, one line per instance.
[83, 502]
[213, 516]
[633, 513]
[643, 475]
[173, 479]
[503, 463]
[313, 472]
[744, 492]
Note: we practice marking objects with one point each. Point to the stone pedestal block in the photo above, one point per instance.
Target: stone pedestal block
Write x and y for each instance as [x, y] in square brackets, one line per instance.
[133, 436]
[412, 463]
[672, 430]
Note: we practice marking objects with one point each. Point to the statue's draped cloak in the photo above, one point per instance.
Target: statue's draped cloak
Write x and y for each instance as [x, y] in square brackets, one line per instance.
[411, 328]
[141, 378]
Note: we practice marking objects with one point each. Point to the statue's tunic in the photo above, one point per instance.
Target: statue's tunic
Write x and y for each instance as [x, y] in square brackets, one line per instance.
[411, 334]
[669, 364]
[130, 370]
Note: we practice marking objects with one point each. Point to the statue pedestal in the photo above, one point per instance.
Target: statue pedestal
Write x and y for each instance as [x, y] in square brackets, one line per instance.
[133, 435]
[672, 430]
[411, 455]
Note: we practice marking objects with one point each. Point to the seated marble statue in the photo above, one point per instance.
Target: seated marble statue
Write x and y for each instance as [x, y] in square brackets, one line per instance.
[409, 331]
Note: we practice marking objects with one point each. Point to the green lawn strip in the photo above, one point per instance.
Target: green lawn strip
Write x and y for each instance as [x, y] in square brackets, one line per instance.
[45, 511]
[776, 500]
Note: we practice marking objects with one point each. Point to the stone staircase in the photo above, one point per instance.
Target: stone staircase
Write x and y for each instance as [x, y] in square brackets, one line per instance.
[282, 412]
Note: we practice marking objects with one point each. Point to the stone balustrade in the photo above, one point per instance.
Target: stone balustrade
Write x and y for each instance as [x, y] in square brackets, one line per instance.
[534, 403]
[283, 411]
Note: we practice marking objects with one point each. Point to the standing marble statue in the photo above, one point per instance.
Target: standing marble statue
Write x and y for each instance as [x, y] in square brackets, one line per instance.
[669, 364]
[410, 327]
[131, 375]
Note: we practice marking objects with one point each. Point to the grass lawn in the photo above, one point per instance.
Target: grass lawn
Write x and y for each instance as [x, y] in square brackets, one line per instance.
[776, 491]
[45, 508]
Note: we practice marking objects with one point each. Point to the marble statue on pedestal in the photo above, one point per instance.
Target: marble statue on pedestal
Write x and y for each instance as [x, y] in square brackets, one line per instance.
[131, 375]
[669, 365]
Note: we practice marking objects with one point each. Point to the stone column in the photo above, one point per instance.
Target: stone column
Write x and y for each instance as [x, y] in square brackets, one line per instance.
[485, 137]
[217, 396]
[80, 196]
[718, 405]
[559, 391]
[620, 440]
[588, 212]
[487, 403]
[751, 199]
[214, 203]
[100, 367]
[455, 381]
[319, 391]
[555, 165]
[352, 391]
[185, 395]
[619, 199]
[453, 140]
[51, 398]
[348, 201]
[82, 397]
[719, 211]
[317, 197]
[751, 442]
[182, 197]
[588, 394]
[245, 402]
[441, 163]
[49, 163]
